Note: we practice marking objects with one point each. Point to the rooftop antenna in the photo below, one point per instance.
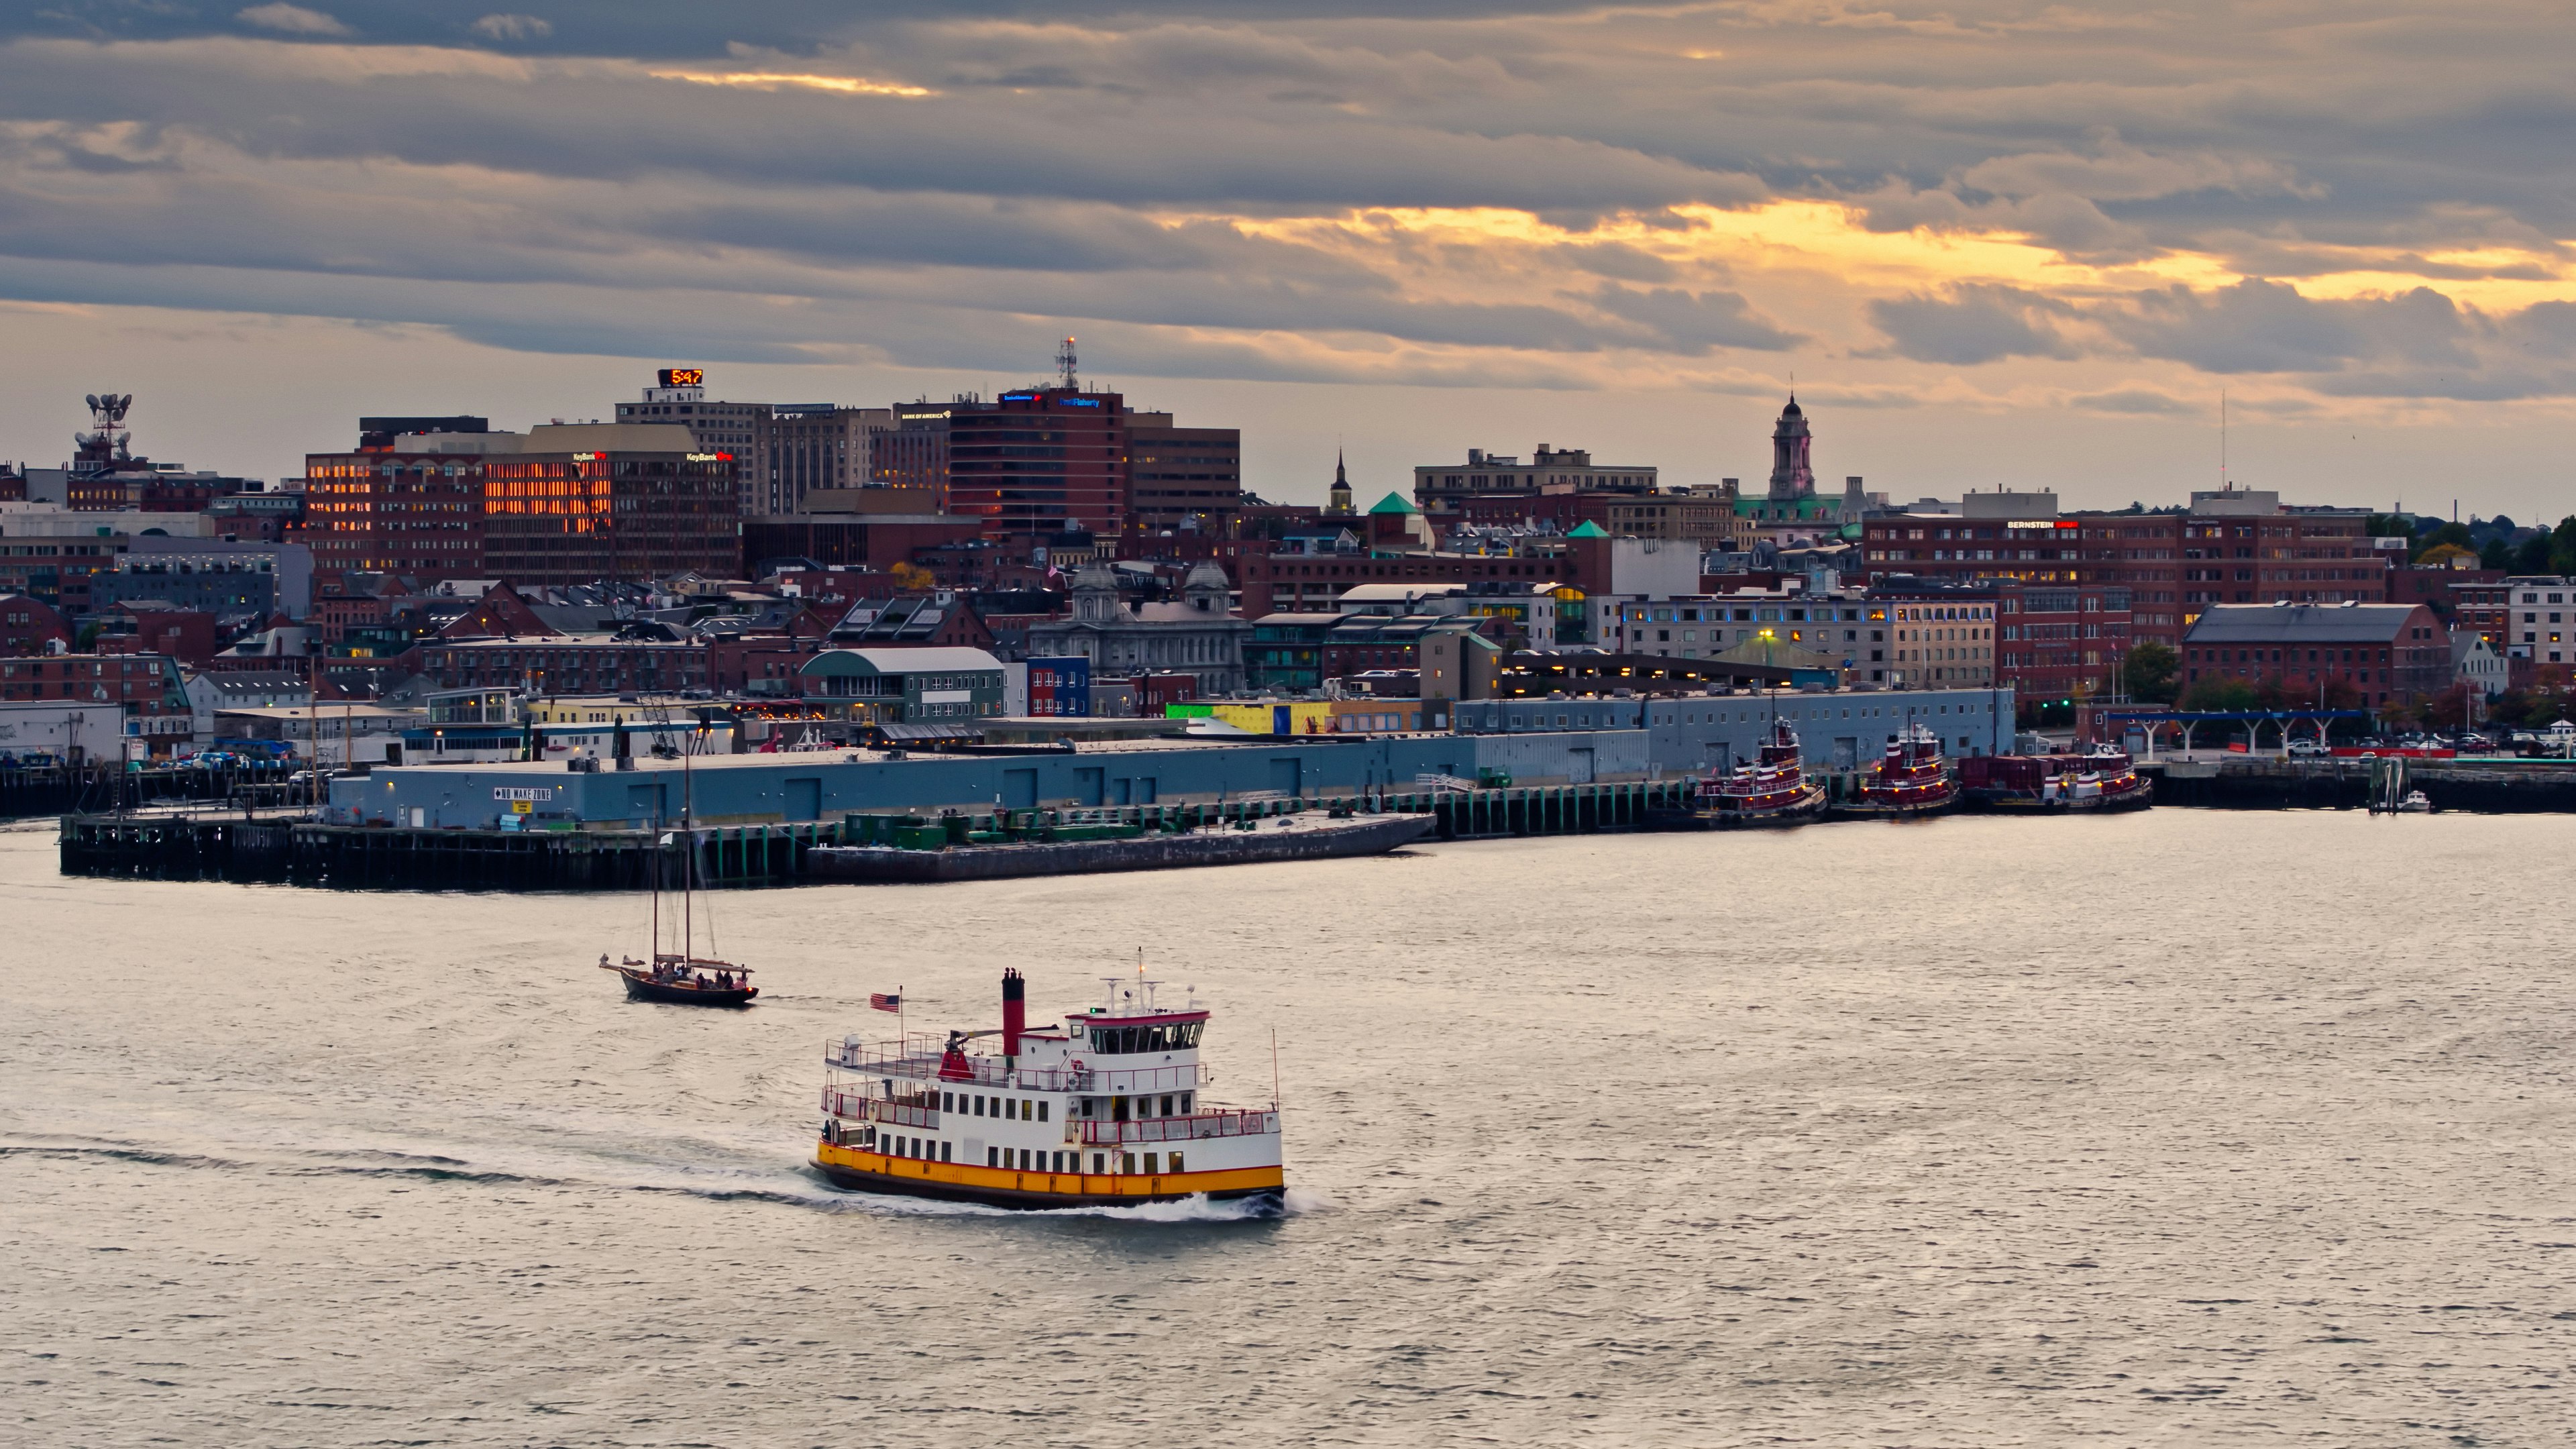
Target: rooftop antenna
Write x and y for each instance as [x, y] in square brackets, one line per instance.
[1064, 366]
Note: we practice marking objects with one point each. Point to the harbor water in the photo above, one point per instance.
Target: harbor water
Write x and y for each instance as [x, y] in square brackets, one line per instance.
[2179, 1128]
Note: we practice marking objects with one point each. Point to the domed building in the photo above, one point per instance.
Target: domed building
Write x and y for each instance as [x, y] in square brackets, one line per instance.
[1200, 634]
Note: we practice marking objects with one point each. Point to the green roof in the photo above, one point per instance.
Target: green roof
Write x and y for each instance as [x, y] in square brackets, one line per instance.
[1586, 529]
[1393, 503]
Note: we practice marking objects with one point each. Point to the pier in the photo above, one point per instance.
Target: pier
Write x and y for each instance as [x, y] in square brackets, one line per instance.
[2478, 786]
[27, 793]
[293, 849]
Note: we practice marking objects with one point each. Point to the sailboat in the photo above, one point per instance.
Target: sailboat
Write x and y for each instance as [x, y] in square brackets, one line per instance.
[682, 977]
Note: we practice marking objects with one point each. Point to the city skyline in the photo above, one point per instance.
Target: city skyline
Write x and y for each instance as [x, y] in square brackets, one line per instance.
[1996, 245]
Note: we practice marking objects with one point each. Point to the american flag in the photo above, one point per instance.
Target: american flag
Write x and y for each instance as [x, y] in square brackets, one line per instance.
[884, 1002]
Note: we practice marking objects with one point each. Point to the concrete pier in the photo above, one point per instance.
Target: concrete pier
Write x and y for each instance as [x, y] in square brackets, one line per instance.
[300, 851]
[2485, 787]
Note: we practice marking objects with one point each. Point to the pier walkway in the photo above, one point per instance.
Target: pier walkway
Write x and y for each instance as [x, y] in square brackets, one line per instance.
[297, 850]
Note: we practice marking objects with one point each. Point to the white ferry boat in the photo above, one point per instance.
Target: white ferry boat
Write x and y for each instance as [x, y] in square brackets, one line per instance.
[1107, 1109]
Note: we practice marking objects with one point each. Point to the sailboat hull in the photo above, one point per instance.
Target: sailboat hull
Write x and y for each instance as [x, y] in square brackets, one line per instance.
[641, 987]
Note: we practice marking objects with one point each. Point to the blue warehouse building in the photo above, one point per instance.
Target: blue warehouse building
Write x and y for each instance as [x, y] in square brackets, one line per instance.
[1532, 741]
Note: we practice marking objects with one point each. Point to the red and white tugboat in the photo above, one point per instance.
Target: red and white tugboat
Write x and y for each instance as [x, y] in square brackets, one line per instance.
[2112, 780]
[1105, 1110]
[1913, 779]
[1770, 789]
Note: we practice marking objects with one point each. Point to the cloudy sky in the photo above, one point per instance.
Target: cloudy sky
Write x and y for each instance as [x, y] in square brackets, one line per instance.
[1996, 244]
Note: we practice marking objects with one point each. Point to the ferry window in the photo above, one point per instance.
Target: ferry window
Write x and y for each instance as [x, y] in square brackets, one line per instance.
[992, 1157]
[1150, 1168]
[1185, 1102]
[1042, 1111]
[1126, 1162]
[978, 1108]
[943, 1152]
[1176, 1162]
[1100, 1162]
[1167, 1107]
[947, 1102]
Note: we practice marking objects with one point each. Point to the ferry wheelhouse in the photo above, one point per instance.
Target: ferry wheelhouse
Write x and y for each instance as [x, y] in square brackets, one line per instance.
[1770, 789]
[1912, 779]
[1108, 1108]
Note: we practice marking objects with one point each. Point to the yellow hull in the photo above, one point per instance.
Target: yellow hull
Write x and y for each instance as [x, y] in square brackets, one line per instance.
[1007, 1187]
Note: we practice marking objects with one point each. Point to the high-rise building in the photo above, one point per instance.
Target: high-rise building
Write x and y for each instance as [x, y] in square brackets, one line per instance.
[563, 503]
[814, 447]
[679, 395]
[1041, 461]
[1182, 480]
[781, 451]
[914, 452]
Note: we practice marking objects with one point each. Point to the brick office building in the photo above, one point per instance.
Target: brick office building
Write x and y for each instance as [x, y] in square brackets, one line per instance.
[2233, 547]
[560, 504]
[2384, 653]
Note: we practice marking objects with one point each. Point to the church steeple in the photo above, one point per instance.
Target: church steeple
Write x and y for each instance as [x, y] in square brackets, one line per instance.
[1338, 502]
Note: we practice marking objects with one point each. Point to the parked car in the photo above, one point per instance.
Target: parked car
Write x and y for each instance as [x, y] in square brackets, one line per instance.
[2304, 749]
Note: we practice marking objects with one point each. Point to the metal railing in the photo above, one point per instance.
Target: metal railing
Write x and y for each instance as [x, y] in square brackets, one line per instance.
[1181, 1129]
[860, 1107]
[988, 1071]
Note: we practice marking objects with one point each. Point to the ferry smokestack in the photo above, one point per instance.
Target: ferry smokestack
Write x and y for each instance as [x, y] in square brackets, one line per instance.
[1015, 1011]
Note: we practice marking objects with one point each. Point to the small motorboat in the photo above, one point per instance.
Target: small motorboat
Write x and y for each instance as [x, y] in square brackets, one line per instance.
[2415, 803]
[684, 980]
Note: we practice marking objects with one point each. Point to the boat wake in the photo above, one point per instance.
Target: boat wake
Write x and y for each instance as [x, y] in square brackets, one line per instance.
[717, 1175]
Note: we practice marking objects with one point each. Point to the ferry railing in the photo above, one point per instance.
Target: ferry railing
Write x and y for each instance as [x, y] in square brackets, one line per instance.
[860, 1107]
[1192, 1128]
[989, 1071]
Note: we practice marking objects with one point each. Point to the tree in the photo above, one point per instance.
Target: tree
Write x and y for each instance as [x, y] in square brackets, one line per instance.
[2562, 546]
[2449, 710]
[2497, 554]
[2400, 714]
[2454, 534]
[2150, 672]
[2532, 557]
[2389, 525]
[911, 577]
[2219, 694]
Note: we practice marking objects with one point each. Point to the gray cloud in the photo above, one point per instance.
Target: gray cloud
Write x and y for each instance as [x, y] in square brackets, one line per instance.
[1053, 169]
[1695, 322]
[2258, 326]
[1973, 324]
[291, 19]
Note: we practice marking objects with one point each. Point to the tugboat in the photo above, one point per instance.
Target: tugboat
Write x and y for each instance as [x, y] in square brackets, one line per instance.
[2105, 780]
[1770, 789]
[1105, 1110]
[2112, 778]
[682, 977]
[1912, 780]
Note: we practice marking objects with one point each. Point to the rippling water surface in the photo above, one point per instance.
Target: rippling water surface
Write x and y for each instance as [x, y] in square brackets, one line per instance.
[2185, 1128]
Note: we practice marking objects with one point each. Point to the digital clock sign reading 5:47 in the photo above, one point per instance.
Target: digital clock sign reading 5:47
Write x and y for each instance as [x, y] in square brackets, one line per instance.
[684, 377]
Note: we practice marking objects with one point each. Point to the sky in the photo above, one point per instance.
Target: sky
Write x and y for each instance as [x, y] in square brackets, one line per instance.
[1995, 245]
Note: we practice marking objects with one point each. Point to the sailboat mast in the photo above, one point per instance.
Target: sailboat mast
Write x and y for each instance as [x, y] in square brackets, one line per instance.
[688, 866]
